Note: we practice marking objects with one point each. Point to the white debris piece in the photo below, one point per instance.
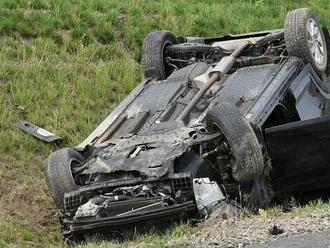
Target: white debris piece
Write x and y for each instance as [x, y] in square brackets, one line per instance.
[207, 194]
[87, 210]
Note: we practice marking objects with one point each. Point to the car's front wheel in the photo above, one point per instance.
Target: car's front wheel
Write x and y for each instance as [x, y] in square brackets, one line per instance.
[59, 174]
[245, 157]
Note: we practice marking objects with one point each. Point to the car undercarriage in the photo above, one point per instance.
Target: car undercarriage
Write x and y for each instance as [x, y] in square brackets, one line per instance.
[208, 126]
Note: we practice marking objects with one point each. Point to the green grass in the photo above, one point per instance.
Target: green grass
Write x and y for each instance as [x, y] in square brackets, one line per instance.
[299, 210]
[65, 64]
[151, 240]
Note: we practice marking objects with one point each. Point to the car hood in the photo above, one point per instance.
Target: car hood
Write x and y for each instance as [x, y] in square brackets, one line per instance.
[150, 155]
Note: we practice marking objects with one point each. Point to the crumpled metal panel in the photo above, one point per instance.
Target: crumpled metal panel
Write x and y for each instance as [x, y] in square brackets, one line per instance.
[151, 155]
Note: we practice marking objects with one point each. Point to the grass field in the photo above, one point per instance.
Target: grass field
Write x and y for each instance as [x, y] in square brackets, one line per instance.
[65, 64]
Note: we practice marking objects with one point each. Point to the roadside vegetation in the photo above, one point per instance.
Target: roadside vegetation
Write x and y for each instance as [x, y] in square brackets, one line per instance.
[65, 65]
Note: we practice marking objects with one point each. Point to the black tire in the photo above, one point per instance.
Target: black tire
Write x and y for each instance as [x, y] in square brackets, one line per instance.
[242, 141]
[297, 38]
[58, 173]
[257, 193]
[154, 46]
[326, 33]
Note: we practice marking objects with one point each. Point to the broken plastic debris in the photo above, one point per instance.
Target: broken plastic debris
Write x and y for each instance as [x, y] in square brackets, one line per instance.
[88, 209]
[38, 132]
[207, 194]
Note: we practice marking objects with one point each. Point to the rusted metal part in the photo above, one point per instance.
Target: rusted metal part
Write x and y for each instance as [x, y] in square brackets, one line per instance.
[224, 65]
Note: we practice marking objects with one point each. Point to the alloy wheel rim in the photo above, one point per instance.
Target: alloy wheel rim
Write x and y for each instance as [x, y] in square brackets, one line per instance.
[315, 41]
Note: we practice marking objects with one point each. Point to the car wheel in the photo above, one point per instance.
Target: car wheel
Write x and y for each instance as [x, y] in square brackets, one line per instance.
[58, 174]
[305, 39]
[257, 193]
[153, 54]
[246, 158]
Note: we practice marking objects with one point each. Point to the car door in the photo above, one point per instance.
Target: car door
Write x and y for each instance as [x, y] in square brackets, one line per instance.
[300, 155]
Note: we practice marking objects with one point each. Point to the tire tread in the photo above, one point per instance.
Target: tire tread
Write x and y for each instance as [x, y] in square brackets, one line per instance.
[58, 173]
[295, 36]
[242, 139]
[152, 53]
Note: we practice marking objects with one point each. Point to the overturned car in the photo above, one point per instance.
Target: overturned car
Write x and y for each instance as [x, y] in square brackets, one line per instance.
[234, 118]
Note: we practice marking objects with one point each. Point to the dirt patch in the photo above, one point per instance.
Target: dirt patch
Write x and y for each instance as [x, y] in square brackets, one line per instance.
[27, 210]
[244, 231]
[63, 35]
[24, 206]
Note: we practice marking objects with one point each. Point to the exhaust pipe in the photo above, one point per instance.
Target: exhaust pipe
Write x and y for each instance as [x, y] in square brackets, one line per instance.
[224, 65]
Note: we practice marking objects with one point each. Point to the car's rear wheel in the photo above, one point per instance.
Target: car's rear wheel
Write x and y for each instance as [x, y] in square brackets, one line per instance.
[245, 157]
[153, 54]
[305, 39]
[60, 167]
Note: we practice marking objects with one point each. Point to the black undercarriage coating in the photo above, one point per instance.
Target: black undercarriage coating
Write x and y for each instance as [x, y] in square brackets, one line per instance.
[140, 162]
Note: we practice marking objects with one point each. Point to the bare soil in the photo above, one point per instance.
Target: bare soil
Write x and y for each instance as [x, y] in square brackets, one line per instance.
[245, 231]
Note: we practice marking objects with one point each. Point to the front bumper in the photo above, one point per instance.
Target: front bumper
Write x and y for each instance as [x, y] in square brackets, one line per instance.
[114, 225]
[127, 214]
